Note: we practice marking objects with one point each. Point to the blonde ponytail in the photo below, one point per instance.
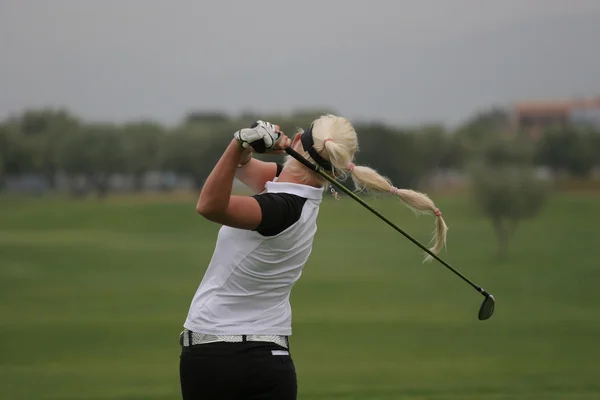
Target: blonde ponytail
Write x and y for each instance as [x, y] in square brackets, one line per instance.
[419, 203]
[336, 141]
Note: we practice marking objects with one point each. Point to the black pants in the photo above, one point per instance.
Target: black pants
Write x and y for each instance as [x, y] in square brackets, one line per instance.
[227, 371]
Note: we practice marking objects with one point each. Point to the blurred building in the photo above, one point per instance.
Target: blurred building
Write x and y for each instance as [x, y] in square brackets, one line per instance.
[533, 117]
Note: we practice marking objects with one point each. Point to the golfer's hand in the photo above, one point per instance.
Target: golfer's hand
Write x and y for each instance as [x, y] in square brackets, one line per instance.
[280, 144]
[283, 143]
[261, 136]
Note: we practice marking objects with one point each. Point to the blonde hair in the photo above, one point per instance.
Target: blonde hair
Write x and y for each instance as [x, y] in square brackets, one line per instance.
[336, 141]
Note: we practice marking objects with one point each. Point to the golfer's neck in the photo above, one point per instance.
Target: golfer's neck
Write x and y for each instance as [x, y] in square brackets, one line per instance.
[287, 176]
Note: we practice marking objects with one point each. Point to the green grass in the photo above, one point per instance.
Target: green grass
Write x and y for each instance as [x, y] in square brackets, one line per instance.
[93, 295]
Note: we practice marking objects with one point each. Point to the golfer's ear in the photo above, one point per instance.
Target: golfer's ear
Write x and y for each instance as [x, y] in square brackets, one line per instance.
[296, 139]
[296, 142]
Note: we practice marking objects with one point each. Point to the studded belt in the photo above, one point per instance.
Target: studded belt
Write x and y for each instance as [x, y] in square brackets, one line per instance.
[186, 337]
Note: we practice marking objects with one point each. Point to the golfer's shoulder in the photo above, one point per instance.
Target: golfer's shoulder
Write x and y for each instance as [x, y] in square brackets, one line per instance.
[281, 201]
[280, 210]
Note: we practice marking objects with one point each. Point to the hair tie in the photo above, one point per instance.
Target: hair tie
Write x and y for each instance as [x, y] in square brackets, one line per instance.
[394, 190]
[326, 140]
[437, 212]
[351, 167]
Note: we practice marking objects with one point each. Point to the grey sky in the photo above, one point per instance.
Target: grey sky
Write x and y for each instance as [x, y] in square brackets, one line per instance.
[401, 61]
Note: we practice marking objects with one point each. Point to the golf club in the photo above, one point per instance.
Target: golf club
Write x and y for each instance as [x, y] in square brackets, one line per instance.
[487, 306]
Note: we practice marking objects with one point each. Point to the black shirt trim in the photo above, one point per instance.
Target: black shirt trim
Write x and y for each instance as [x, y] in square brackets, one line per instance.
[279, 212]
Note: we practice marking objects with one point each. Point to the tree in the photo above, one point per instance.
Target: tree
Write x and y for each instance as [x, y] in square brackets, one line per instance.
[192, 152]
[437, 148]
[595, 145]
[39, 121]
[505, 188]
[94, 154]
[4, 151]
[141, 144]
[1, 172]
[15, 150]
[571, 149]
[41, 134]
[107, 155]
[395, 153]
[477, 130]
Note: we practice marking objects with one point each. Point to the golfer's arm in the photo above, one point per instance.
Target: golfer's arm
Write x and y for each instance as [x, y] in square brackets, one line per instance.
[256, 173]
[216, 202]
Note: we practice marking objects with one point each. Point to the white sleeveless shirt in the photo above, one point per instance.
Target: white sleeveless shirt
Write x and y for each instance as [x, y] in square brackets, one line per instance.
[247, 285]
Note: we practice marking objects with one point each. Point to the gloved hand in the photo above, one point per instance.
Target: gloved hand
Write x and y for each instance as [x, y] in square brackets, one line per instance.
[262, 136]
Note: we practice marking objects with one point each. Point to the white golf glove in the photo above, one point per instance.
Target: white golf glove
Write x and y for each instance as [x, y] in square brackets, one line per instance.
[261, 136]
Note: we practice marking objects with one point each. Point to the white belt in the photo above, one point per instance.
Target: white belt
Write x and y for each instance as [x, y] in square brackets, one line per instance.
[202, 338]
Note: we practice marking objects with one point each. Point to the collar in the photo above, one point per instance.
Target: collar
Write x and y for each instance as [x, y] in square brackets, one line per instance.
[309, 192]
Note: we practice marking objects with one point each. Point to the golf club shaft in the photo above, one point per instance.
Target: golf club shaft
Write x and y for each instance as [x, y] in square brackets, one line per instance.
[321, 172]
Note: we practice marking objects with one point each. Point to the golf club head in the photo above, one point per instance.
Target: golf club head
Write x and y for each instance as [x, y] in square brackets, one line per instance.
[487, 307]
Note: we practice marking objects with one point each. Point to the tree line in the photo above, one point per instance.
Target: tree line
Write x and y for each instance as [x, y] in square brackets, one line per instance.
[500, 161]
[48, 141]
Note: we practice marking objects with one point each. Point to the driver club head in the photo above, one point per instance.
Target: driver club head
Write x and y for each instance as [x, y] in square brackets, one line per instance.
[487, 307]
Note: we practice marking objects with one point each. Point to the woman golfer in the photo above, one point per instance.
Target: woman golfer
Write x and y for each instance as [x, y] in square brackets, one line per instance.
[235, 343]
